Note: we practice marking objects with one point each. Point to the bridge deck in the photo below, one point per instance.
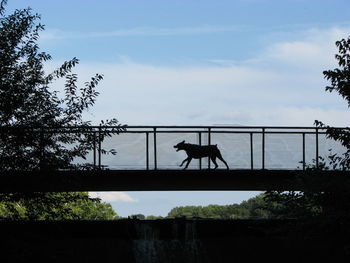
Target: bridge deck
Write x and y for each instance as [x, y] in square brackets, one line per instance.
[172, 180]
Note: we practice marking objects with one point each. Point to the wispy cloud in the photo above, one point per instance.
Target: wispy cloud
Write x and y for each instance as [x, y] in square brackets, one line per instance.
[142, 31]
[314, 50]
[283, 85]
[113, 196]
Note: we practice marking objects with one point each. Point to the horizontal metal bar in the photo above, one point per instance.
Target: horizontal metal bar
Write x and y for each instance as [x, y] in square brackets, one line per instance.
[239, 132]
[179, 127]
[231, 127]
[109, 129]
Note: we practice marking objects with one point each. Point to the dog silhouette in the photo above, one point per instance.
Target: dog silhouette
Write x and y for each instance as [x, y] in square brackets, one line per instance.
[199, 151]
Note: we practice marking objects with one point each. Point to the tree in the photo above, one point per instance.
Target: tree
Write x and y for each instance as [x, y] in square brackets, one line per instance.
[55, 206]
[335, 202]
[253, 208]
[34, 119]
[138, 216]
[340, 82]
[31, 115]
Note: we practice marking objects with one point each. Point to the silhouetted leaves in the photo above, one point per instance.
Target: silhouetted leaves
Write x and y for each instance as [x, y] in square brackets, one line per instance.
[31, 113]
[333, 202]
[40, 128]
[340, 82]
[340, 77]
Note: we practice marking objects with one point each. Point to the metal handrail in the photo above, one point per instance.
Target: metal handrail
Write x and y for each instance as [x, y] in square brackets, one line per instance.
[178, 127]
[205, 129]
[251, 130]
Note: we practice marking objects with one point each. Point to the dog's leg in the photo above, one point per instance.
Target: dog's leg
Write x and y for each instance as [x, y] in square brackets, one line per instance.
[222, 159]
[213, 158]
[184, 161]
[188, 162]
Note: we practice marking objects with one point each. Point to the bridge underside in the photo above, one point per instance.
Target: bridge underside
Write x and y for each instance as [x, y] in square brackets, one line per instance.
[173, 180]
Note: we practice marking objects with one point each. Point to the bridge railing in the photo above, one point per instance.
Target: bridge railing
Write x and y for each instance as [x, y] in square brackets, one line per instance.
[243, 147]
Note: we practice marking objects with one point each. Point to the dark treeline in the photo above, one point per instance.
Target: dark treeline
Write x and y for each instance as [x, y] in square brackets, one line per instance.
[255, 207]
[258, 207]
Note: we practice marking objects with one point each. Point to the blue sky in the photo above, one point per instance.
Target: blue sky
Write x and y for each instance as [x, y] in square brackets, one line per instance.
[247, 62]
[166, 32]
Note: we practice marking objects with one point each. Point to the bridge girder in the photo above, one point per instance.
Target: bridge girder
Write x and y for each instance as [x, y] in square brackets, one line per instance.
[173, 180]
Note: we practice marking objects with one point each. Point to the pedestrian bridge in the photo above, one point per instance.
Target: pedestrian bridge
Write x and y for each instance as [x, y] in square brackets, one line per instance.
[260, 158]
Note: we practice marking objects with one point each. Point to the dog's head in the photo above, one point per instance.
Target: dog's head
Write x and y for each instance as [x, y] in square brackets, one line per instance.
[180, 146]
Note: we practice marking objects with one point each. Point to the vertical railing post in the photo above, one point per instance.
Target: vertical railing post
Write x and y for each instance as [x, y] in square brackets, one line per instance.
[251, 152]
[317, 165]
[99, 146]
[147, 150]
[155, 147]
[263, 148]
[303, 151]
[200, 143]
[94, 147]
[209, 142]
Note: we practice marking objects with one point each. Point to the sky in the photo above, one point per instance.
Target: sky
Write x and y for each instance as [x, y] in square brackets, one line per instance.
[187, 62]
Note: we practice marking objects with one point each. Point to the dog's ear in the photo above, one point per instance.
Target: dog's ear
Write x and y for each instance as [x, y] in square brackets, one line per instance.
[183, 141]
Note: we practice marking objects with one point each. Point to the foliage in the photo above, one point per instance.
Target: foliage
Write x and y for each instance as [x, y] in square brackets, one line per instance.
[54, 206]
[152, 217]
[308, 204]
[340, 83]
[331, 202]
[31, 115]
[340, 77]
[334, 203]
[252, 208]
[138, 216]
[33, 121]
[293, 204]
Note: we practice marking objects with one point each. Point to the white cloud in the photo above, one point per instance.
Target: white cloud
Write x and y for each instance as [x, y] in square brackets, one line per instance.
[113, 196]
[54, 34]
[284, 85]
[294, 51]
[287, 116]
[314, 49]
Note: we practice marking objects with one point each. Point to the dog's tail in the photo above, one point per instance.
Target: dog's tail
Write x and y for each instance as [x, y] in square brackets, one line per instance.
[217, 151]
